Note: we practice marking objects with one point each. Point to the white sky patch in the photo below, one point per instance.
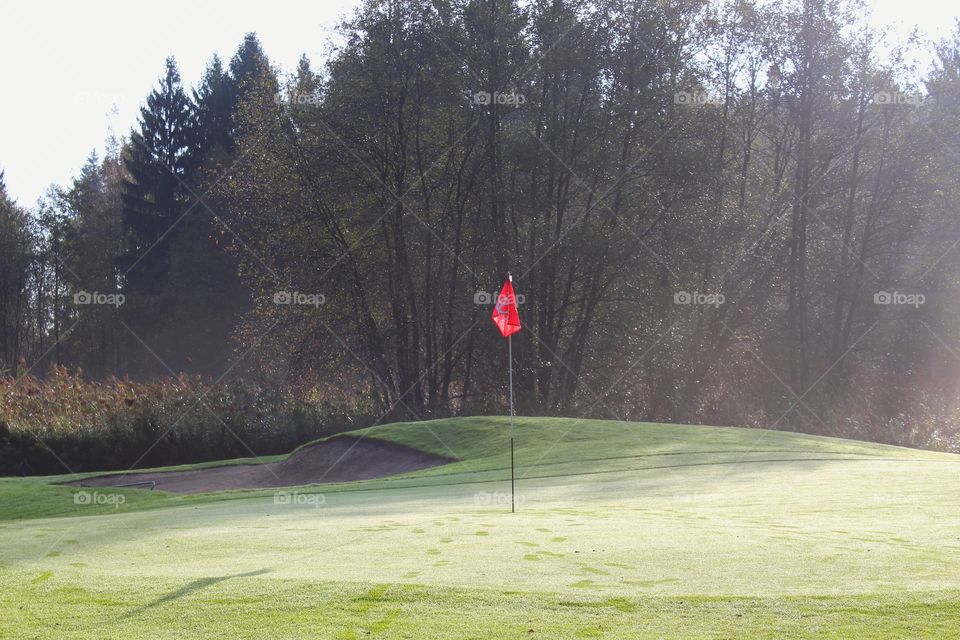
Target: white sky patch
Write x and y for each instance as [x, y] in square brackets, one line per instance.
[72, 72]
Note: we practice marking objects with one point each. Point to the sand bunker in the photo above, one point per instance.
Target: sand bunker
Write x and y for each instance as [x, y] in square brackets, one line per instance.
[339, 459]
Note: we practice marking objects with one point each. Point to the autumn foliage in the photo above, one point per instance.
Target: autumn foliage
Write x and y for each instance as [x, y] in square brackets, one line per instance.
[63, 423]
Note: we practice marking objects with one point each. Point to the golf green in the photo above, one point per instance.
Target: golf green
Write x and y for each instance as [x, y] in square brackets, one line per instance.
[622, 530]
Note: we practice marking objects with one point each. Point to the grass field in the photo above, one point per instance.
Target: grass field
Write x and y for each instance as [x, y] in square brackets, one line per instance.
[624, 530]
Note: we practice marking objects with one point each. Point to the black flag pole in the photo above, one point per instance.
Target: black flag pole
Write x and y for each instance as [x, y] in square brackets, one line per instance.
[510, 356]
[507, 319]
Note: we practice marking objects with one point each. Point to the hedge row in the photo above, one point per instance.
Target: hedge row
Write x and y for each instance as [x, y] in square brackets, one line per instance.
[63, 423]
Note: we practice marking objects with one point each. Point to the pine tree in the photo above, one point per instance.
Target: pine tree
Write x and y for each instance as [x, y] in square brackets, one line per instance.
[306, 85]
[184, 294]
[91, 214]
[248, 64]
[160, 160]
[219, 94]
[215, 102]
[17, 246]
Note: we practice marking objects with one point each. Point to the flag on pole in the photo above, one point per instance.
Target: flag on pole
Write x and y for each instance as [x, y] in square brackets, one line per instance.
[505, 314]
[507, 319]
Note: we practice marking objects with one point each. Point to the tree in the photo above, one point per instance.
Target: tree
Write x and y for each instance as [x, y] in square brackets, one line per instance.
[92, 244]
[215, 101]
[159, 161]
[17, 249]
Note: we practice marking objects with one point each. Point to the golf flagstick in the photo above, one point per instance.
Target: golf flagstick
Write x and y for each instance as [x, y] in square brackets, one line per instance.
[510, 356]
[507, 319]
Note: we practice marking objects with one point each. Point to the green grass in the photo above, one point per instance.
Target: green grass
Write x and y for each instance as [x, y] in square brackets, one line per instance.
[624, 530]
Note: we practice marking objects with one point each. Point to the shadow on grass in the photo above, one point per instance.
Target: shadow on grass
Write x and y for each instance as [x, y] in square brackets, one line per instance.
[191, 587]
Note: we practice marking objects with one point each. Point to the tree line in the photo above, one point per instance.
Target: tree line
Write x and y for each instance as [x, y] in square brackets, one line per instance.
[723, 212]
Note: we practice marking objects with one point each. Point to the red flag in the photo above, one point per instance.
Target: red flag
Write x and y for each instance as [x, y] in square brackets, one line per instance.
[505, 314]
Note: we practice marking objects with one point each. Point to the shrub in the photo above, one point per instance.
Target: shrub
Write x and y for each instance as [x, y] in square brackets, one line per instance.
[64, 423]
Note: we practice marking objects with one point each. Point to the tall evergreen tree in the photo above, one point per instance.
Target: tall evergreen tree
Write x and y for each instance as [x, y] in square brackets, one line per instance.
[16, 247]
[219, 94]
[91, 214]
[248, 64]
[160, 160]
[203, 297]
[215, 102]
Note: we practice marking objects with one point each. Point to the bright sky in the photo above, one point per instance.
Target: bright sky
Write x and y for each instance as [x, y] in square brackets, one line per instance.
[72, 71]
